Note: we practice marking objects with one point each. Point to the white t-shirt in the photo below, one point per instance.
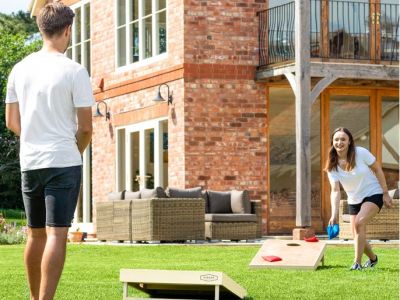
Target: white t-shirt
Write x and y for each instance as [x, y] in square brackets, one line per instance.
[360, 182]
[49, 87]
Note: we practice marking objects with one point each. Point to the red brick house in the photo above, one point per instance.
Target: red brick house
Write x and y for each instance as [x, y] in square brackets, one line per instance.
[231, 121]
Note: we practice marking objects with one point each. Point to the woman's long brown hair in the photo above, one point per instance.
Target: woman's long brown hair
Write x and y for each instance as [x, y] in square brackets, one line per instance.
[333, 159]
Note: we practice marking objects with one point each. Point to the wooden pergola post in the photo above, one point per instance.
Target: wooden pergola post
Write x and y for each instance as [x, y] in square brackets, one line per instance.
[303, 113]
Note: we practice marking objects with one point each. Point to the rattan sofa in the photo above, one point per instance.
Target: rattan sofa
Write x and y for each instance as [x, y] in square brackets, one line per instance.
[167, 219]
[235, 226]
[114, 220]
[384, 226]
[150, 219]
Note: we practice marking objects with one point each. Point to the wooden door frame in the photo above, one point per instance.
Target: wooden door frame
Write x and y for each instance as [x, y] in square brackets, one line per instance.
[375, 128]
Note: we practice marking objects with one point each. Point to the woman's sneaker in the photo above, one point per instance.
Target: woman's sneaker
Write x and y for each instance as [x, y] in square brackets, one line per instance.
[356, 266]
[371, 263]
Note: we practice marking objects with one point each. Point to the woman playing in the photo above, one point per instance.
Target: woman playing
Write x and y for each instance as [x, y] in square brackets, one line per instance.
[363, 180]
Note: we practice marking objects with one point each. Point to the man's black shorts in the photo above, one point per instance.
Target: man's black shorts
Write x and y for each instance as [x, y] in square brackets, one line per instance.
[50, 195]
[354, 209]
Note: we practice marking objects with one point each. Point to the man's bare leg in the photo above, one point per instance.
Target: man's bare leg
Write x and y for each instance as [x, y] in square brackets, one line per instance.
[53, 261]
[33, 258]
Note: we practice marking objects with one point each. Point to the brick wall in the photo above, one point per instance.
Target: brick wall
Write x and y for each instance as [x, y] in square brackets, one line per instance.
[128, 92]
[225, 110]
[218, 121]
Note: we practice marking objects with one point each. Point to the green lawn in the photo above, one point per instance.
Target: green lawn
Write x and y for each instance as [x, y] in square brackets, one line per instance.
[92, 272]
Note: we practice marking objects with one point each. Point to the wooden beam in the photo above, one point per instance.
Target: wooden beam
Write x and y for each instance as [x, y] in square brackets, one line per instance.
[320, 86]
[340, 70]
[292, 81]
[272, 72]
[303, 113]
[353, 70]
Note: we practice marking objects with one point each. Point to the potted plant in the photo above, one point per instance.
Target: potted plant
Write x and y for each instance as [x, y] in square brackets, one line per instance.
[75, 236]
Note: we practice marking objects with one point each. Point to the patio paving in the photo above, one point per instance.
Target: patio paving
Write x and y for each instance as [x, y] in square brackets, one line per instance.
[324, 238]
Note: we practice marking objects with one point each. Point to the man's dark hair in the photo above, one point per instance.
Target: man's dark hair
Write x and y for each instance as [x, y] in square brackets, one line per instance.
[53, 18]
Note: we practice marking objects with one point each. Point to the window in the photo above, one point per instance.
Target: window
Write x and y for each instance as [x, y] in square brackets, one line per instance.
[142, 156]
[141, 30]
[79, 48]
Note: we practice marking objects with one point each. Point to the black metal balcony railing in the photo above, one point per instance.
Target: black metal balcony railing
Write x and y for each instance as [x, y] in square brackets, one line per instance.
[338, 30]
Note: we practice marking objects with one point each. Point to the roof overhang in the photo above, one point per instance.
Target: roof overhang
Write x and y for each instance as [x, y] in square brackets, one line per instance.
[35, 6]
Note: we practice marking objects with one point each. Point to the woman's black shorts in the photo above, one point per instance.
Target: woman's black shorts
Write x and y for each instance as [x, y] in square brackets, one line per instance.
[354, 209]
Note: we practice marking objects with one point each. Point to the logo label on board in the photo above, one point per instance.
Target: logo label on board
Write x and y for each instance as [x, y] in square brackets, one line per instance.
[208, 277]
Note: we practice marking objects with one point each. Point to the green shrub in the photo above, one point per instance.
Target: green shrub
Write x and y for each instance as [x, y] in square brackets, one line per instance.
[12, 213]
[12, 238]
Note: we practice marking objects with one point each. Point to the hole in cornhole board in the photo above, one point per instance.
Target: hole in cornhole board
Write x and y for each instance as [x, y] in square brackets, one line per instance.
[299, 255]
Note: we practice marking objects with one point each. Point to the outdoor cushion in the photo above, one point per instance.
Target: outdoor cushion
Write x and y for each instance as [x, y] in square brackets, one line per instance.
[184, 193]
[158, 192]
[240, 202]
[116, 196]
[132, 195]
[230, 218]
[204, 195]
[219, 202]
[346, 218]
[394, 194]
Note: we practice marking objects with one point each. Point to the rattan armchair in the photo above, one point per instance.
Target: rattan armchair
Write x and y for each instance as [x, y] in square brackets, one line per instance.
[243, 228]
[384, 226]
[167, 219]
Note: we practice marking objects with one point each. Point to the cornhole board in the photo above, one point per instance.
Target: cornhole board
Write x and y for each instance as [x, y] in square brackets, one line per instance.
[295, 254]
[162, 284]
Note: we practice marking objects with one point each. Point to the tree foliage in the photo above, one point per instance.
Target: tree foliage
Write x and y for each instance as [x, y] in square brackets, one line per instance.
[16, 31]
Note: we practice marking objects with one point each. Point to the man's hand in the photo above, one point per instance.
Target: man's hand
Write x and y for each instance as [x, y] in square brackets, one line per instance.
[84, 133]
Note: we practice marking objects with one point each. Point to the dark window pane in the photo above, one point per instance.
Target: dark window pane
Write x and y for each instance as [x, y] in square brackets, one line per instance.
[162, 32]
[160, 4]
[135, 41]
[121, 12]
[121, 47]
[87, 56]
[147, 37]
[135, 10]
[77, 21]
[87, 21]
[147, 7]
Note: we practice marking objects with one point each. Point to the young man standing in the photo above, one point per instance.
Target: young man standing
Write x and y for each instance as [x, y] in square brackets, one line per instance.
[48, 104]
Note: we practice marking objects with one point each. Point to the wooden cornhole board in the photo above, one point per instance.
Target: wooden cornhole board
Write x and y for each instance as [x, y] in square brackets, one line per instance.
[163, 284]
[295, 254]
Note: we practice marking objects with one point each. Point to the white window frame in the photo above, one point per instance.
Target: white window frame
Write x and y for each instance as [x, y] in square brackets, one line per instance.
[81, 5]
[85, 225]
[157, 126]
[128, 33]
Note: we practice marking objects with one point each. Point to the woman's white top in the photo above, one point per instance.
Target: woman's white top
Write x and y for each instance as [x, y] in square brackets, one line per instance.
[360, 182]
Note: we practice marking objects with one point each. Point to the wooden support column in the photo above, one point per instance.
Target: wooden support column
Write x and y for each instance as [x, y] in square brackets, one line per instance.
[303, 114]
[324, 37]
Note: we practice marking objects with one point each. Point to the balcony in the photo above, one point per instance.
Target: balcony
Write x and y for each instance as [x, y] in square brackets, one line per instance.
[340, 32]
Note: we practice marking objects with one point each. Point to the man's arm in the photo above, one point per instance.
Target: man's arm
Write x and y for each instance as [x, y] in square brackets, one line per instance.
[13, 120]
[84, 133]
